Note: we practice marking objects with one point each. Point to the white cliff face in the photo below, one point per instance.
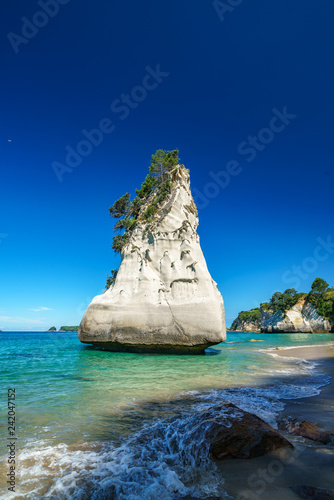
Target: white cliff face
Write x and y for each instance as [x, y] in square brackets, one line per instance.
[302, 317]
[164, 298]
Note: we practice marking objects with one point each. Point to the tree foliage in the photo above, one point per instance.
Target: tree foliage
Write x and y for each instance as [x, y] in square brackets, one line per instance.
[162, 161]
[265, 306]
[111, 278]
[146, 187]
[318, 288]
[322, 298]
[119, 242]
[158, 182]
[120, 207]
[251, 316]
[284, 301]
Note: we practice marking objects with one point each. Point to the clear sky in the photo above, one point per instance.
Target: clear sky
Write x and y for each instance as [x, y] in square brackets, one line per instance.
[243, 89]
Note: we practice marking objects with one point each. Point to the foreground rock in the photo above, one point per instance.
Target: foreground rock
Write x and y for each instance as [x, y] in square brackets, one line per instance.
[163, 299]
[239, 434]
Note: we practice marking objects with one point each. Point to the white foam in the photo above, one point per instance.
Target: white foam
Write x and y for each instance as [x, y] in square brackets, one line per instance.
[169, 457]
[166, 458]
[286, 348]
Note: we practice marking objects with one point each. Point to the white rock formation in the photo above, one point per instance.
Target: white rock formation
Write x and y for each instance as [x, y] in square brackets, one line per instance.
[164, 299]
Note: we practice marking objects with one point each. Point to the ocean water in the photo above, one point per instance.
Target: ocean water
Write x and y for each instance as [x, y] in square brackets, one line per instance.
[93, 424]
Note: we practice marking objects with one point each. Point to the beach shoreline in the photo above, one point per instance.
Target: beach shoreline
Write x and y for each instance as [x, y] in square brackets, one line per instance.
[311, 463]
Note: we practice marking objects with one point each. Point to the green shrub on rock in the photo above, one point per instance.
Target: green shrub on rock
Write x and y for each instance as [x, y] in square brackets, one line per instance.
[154, 190]
[111, 278]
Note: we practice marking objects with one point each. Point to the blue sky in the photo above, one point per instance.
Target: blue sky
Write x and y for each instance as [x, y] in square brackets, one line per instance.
[202, 77]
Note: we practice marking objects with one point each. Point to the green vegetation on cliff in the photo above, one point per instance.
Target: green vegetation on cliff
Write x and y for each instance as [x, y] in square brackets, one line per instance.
[52, 329]
[321, 297]
[111, 278]
[252, 316]
[284, 301]
[265, 306]
[155, 188]
[69, 328]
[153, 191]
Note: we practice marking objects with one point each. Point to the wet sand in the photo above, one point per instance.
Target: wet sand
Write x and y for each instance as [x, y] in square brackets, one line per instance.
[310, 463]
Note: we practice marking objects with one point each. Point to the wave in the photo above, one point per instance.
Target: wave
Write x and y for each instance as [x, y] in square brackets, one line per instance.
[284, 348]
[168, 457]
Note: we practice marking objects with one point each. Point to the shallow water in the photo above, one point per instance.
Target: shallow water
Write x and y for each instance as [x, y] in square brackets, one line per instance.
[96, 424]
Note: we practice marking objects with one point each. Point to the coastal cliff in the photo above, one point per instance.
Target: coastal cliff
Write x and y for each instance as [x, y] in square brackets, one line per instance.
[163, 298]
[290, 312]
[302, 317]
[248, 321]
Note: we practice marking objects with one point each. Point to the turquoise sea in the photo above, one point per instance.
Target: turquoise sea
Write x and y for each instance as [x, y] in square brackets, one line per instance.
[93, 424]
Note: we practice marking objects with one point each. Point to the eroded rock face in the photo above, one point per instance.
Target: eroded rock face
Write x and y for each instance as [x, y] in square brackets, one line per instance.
[164, 299]
[247, 326]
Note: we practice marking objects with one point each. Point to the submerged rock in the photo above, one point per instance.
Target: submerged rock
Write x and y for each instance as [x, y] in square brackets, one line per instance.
[243, 435]
[163, 298]
[306, 429]
[313, 493]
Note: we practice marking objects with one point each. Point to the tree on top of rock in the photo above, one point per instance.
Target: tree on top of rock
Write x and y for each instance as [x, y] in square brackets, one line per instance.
[120, 207]
[163, 161]
[284, 301]
[322, 298]
[319, 286]
[158, 182]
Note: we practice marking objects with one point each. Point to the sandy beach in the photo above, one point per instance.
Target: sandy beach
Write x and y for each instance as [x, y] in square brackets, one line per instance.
[310, 463]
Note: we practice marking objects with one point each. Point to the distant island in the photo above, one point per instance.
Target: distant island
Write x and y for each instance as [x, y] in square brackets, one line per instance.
[68, 328]
[64, 329]
[290, 311]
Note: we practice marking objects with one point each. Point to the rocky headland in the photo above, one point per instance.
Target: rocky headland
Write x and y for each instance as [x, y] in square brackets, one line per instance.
[162, 298]
[291, 311]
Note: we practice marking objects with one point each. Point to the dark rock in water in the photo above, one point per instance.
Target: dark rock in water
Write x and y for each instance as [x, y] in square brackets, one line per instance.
[306, 429]
[313, 493]
[239, 434]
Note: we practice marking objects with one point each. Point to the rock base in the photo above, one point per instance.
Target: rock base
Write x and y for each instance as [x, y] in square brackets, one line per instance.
[150, 348]
[246, 436]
